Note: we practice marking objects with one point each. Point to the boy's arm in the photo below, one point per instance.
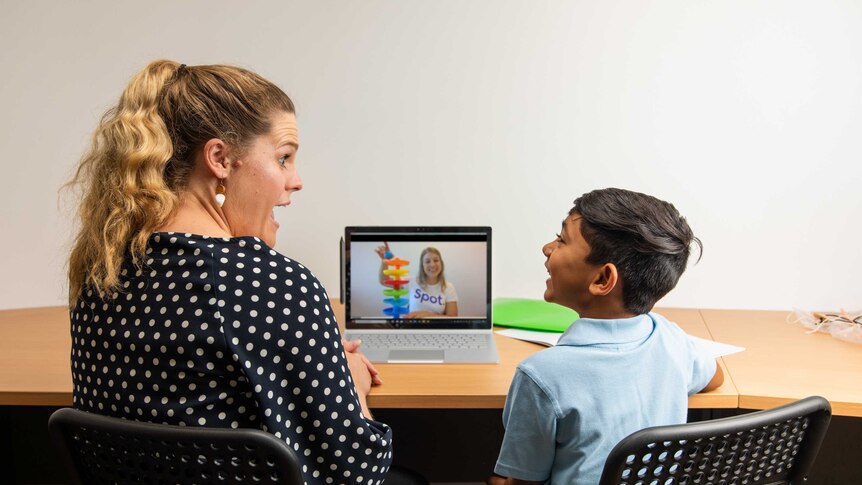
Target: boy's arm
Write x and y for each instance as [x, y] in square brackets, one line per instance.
[498, 480]
[717, 378]
[530, 420]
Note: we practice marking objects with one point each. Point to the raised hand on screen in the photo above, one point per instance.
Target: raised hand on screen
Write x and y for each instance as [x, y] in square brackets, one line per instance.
[383, 251]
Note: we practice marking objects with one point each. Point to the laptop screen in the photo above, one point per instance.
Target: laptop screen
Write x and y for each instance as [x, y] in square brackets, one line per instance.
[417, 277]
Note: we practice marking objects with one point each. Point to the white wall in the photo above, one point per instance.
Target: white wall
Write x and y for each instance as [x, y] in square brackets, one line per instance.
[746, 114]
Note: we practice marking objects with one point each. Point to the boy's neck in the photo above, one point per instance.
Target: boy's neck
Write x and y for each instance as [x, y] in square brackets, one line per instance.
[605, 312]
[606, 316]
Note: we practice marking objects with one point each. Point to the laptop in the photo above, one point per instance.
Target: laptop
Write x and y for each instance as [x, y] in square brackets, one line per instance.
[419, 294]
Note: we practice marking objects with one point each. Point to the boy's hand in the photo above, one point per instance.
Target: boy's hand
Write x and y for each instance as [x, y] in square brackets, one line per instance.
[495, 480]
[717, 378]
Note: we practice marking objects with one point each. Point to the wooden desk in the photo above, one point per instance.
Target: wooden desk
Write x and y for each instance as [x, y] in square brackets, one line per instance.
[35, 346]
[485, 386]
[35, 353]
[783, 363]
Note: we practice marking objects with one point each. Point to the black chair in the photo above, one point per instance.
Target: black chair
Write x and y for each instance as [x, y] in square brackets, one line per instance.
[775, 446]
[104, 450]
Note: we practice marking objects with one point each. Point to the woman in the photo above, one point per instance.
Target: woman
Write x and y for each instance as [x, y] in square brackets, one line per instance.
[432, 295]
[182, 313]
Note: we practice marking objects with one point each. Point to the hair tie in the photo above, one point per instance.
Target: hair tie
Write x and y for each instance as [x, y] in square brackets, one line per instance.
[181, 70]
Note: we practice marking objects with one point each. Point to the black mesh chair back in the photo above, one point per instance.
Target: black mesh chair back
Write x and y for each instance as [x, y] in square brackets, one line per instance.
[104, 450]
[775, 446]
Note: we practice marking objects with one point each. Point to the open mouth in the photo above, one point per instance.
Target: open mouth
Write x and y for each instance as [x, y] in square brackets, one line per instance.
[272, 213]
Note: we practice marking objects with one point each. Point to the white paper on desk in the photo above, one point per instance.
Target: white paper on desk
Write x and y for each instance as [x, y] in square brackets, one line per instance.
[549, 339]
[716, 349]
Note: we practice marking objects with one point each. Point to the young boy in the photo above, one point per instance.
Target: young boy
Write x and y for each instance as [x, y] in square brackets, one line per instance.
[618, 368]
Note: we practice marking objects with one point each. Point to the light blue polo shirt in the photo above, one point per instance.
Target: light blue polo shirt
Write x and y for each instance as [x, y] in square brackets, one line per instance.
[605, 379]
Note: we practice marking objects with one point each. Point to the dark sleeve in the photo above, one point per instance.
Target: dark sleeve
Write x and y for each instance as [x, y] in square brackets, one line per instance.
[277, 322]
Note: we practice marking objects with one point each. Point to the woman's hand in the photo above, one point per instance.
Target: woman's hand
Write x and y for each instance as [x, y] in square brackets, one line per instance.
[422, 314]
[352, 347]
[381, 250]
[359, 371]
[362, 372]
[361, 377]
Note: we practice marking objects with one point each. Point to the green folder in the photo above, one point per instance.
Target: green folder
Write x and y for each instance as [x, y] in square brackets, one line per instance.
[532, 314]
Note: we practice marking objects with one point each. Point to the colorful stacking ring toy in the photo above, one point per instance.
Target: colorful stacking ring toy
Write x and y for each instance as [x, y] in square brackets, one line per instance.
[397, 282]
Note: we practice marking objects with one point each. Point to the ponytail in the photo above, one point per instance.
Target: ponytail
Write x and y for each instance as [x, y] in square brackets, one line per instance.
[124, 194]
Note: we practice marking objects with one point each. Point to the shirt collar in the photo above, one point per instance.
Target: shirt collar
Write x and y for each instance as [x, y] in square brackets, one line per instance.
[592, 331]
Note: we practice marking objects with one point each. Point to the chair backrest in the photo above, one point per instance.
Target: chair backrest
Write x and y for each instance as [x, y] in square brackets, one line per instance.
[775, 446]
[104, 450]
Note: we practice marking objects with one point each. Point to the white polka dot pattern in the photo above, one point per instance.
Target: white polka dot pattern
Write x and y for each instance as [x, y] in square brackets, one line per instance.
[227, 332]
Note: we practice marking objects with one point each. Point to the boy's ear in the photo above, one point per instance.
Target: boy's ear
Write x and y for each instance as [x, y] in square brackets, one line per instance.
[605, 280]
[215, 152]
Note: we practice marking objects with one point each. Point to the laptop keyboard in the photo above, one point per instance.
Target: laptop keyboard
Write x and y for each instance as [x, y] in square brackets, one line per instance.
[422, 341]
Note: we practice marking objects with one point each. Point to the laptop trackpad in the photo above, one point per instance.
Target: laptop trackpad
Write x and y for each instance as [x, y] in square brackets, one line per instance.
[417, 356]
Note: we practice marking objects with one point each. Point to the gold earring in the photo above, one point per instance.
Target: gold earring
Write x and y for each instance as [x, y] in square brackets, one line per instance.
[219, 197]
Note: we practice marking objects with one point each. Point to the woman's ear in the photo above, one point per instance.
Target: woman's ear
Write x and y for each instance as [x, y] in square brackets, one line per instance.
[215, 158]
[605, 280]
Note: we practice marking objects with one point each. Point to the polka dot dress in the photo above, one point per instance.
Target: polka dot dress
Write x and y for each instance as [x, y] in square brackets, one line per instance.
[226, 332]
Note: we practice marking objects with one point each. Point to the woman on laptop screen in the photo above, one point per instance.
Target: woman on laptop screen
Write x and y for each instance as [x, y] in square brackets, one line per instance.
[431, 295]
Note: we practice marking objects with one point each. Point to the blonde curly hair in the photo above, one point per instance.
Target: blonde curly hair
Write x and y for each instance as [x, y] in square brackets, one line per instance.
[142, 152]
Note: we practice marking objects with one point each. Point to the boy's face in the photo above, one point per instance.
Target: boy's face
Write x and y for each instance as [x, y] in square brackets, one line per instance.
[570, 274]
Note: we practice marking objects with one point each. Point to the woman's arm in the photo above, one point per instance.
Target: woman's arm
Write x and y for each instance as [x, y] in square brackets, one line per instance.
[382, 276]
[361, 379]
[451, 309]
[304, 379]
[422, 314]
[381, 251]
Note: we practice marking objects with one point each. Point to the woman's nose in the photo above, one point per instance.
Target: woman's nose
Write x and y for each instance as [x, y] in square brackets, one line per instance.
[295, 182]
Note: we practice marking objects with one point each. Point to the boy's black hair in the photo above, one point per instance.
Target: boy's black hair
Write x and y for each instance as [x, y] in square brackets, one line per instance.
[646, 238]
